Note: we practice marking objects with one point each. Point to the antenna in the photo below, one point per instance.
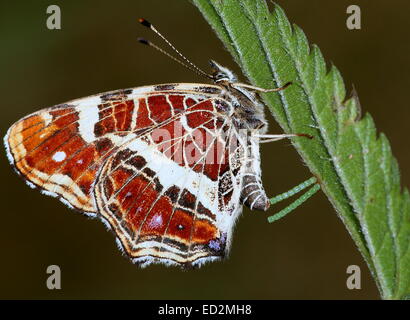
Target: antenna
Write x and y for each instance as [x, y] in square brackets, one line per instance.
[189, 65]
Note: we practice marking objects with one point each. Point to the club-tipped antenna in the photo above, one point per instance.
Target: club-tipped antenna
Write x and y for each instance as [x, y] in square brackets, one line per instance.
[190, 65]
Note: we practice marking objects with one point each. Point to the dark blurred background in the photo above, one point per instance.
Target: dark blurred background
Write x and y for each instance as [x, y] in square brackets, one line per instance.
[303, 256]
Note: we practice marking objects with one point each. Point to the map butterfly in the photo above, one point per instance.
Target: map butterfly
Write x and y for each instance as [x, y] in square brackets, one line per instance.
[166, 167]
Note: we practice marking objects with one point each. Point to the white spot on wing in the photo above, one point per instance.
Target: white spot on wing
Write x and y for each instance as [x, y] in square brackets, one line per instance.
[47, 118]
[59, 156]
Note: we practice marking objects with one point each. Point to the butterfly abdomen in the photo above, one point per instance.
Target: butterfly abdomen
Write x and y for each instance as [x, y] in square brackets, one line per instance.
[253, 194]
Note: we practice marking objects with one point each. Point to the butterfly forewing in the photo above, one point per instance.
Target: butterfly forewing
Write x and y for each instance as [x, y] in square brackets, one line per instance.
[133, 158]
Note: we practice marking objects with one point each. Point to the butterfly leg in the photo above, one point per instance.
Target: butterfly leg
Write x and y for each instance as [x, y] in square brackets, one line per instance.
[247, 86]
[295, 204]
[265, 138]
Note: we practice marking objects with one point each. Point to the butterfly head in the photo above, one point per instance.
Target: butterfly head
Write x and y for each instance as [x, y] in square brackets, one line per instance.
[220, 73]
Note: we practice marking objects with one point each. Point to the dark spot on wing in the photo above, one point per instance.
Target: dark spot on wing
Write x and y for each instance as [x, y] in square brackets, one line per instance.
[138, 162]
[187, 200]
[150, 173]
[173, 193]
[116, 95]
[165, 87]
[206, 89]
[103, 145]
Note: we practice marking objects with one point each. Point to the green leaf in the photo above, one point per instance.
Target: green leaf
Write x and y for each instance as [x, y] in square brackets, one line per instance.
[355, 168]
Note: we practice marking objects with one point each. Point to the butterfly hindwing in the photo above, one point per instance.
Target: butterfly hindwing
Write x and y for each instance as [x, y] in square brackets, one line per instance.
[170, 194]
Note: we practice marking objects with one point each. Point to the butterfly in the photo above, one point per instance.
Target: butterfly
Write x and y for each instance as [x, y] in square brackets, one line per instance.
[166, 167]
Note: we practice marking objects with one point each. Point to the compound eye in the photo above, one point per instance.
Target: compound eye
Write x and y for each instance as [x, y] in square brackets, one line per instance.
[220, 76]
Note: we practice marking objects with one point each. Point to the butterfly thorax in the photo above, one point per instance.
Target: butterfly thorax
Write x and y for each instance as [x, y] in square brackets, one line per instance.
[248, 110]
